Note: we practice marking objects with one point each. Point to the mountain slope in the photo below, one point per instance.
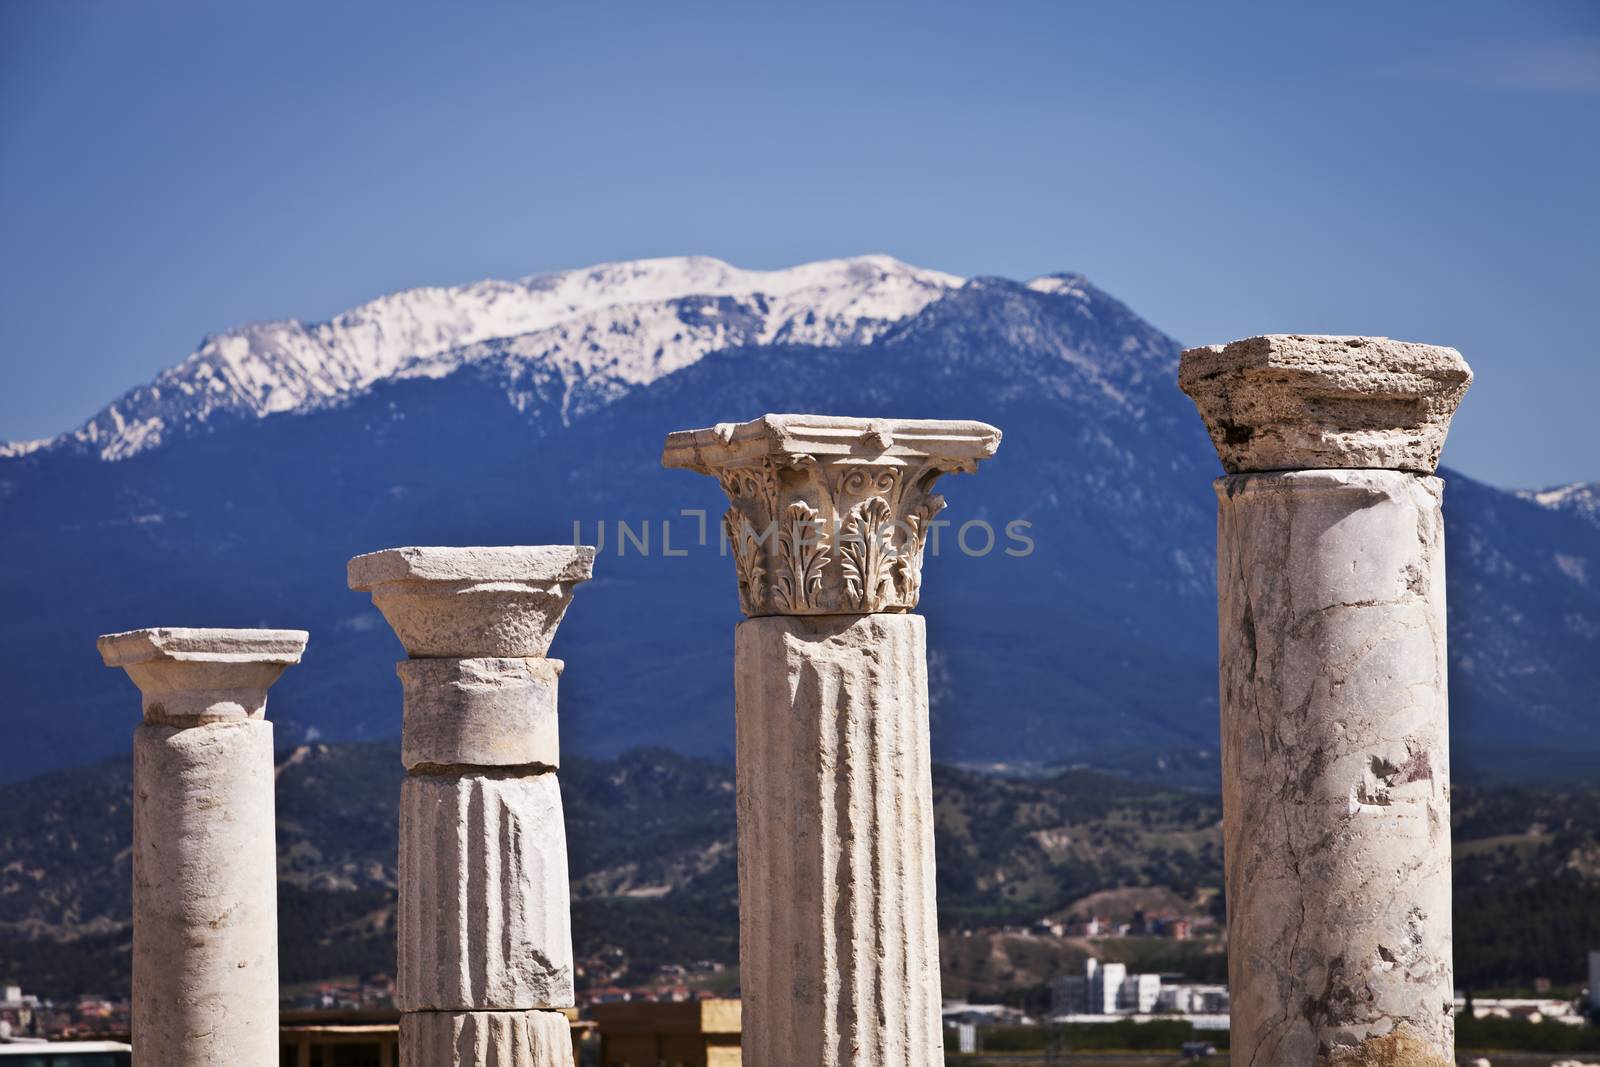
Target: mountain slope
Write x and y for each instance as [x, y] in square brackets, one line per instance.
[1099, 645]
[573, 319]
[653, 867]
[1579, 498]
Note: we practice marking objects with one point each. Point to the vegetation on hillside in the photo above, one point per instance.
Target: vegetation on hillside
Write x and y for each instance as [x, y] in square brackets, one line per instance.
[654, 873]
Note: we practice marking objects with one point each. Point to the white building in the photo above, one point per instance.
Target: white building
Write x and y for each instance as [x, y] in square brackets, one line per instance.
[1105, 989]
[1139, 994]
[1533, 1009]
[1193, 999]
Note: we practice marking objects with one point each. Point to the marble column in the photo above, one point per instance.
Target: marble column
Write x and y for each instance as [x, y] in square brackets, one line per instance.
[838, 936]
[205, 865]
[1335, 751]
[484, 928]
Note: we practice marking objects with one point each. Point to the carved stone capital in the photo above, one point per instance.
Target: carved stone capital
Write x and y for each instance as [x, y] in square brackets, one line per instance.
[829, 515]
[1291, 402]
[190, 677]
[461, 603]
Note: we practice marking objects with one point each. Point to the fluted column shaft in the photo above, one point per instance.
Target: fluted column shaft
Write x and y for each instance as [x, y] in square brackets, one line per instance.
[205, 890]
[484, 928]
[483, 922]
[1335, 750]
[838, 924]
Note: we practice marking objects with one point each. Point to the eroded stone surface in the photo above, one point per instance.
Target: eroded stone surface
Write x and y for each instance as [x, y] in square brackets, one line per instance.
[188, 677]
[483, 927]
[1402, 1048]
[486, 1039]
[838, 936]
[1293, 402]
[469, 602]
[829, 515]
[483, 919]
[205, 900]
[1335, 767]
[183, 643]
[205, 896]
[482, 712]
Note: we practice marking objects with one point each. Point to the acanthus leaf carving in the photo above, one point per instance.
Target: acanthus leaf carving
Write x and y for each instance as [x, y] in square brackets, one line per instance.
[803, 553]
[830, 515]
[908, 561]
[748, 563]
[865, 551]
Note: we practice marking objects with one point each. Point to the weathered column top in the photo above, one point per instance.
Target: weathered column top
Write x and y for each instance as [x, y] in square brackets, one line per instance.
[1298, 402]
[189, 677]
[829, 515]
[464, 603]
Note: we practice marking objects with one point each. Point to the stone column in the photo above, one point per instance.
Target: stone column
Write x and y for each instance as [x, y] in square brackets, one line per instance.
[838, 936]
[485, 936]
[205, 864]
[1335, 754]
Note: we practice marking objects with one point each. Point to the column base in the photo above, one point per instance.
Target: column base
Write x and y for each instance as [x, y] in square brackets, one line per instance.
[536, 1038]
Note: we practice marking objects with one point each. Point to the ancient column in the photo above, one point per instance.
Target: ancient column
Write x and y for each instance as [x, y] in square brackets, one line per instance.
[485, 936]
[838, 937]
[1335, 755]
[205, 864]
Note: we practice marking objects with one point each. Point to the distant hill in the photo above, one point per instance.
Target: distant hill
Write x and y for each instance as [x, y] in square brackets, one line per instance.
[654, 871]
[232, 489]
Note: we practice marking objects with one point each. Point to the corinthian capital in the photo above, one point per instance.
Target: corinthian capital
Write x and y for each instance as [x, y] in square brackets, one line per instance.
[828, 515]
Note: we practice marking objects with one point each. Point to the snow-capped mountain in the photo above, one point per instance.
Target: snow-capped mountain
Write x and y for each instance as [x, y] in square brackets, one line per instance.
[1579, 498]
[533, 412]
[614, 324]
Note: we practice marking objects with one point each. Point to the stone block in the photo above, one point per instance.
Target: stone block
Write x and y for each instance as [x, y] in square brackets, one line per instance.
[1293, 402]
[465, 602]
[480, 712]
[485, 1039]
[483, 919]
[189, 677]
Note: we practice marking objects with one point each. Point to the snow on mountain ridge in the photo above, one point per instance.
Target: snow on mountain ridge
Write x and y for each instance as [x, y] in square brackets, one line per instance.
[1061, 285]
[1579, 498]
[266, 368]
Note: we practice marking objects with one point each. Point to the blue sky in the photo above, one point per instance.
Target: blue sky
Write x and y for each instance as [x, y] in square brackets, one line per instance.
[1426, 171]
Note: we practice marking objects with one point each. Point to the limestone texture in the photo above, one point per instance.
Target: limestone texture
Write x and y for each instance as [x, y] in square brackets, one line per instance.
[480, 712]
[483, 925]
[829, 515]
[483, 921]
[486, 1039]
[1295, 402]
[473, 602]
[1335, 761]
[839, 948]
[205, 896]
[205, 870]
[189, 677]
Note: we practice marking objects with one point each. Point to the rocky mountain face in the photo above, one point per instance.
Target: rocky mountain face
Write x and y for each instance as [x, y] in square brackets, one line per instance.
[232, 490]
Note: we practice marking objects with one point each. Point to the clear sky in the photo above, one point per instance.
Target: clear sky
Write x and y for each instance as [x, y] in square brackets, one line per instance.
[1422, 170]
